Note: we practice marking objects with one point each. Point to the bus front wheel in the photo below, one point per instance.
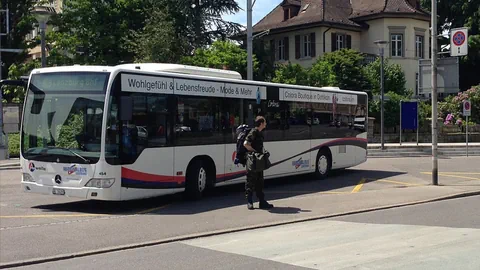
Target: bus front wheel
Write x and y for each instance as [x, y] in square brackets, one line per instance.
[196, 180]
[324, 164]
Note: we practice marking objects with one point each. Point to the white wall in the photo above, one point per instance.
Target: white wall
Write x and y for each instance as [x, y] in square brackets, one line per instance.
[381, 28]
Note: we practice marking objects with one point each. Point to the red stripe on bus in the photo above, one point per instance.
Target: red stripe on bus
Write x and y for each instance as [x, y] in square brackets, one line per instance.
[147, 177]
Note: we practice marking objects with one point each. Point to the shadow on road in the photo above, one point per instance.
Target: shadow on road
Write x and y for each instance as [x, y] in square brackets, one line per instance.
[224, 197]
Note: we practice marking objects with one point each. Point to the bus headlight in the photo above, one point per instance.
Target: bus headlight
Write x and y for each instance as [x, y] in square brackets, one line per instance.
[100, 182]
[27, 178]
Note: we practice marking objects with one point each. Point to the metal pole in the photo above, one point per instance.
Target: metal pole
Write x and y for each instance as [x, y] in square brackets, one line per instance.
[418, 124]
[249, 41]
[1, 103]
[401, 122]
[467, 135]
[42, 34]
[434, 94]
[382, 100]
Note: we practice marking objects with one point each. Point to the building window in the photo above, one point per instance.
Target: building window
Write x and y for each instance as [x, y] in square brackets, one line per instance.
[306, 46]
[419, 46]
[397, 45]
[340, 42]
[281, 49]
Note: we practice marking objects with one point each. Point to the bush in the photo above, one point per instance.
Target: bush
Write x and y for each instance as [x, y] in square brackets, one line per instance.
[454, 105]
[14, 145]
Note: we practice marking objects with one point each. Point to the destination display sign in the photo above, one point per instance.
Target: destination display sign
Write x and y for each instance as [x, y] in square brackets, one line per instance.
[65, 81]
[297, 95]
[165, 85]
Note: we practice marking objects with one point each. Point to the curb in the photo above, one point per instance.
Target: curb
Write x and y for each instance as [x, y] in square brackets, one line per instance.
[226, 231]
[11, 167]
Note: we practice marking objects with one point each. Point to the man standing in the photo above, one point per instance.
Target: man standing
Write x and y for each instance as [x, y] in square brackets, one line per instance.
[254, 143]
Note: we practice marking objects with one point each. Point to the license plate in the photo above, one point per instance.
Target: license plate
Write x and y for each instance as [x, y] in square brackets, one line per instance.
[58, 191]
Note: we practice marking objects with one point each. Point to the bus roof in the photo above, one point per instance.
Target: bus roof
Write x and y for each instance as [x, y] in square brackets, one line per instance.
[186, 71]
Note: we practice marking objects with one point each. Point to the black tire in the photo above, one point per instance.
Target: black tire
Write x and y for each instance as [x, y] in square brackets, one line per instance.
[323, 166]
[196, 180]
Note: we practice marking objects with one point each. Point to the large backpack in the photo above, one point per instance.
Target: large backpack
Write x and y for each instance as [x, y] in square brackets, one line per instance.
[241, 156]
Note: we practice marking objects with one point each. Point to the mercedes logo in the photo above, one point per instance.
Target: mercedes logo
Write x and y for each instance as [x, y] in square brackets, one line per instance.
[58, 179]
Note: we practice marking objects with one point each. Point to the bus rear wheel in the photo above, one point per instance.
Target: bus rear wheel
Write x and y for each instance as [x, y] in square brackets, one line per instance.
[196, 180]
[323, 165]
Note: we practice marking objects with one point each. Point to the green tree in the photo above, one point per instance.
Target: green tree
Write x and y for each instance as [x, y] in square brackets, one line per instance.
[291, 74]
[394, 77]
[99, 32]
[222, 54]
[14, 94]
[201, 20]
[460, 13]
[157, 41]
[21, 23]
[391, 108]
[321, 74]
[348, 68]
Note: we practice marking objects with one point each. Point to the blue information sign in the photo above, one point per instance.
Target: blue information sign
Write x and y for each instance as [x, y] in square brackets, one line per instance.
[409, 115]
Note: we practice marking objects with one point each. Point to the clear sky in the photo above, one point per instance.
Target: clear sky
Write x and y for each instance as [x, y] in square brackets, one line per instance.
[261, 8]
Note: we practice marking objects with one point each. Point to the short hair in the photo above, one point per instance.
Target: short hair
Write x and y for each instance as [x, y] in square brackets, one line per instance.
[259, 120]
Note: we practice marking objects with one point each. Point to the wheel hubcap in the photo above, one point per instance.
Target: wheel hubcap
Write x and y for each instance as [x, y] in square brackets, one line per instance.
[202, 179]
[322, 164]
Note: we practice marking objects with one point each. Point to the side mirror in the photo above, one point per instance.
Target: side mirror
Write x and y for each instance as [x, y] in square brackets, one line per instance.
[126, 108]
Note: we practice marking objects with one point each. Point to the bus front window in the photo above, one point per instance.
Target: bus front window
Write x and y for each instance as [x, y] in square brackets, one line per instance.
[63, 114]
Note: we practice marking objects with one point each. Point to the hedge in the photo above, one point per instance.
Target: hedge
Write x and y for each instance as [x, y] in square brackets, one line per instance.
[14, 145]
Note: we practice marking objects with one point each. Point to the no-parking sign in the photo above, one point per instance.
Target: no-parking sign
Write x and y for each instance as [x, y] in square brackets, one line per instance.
[459, 41]
[467, 108]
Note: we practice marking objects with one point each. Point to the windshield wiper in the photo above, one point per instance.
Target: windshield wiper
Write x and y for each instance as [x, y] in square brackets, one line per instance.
[71, 151]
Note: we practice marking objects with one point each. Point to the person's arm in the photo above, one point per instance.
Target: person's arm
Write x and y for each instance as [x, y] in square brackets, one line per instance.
[248, 146]
[248, 141]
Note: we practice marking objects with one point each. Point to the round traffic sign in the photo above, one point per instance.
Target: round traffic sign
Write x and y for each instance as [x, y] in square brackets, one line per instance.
[467, 105]
[458, 38]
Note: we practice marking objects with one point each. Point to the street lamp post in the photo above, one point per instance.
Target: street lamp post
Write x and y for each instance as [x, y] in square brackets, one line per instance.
[381, 45]
[42, 15]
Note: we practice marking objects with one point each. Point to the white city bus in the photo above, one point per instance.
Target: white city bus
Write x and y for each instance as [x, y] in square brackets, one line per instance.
[142, 130]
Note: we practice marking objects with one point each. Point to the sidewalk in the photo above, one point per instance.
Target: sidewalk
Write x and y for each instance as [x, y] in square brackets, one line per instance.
[410, 144]
[9, 164]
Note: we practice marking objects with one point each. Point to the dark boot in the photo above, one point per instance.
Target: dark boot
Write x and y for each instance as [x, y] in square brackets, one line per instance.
[265, 205]
[250, 201]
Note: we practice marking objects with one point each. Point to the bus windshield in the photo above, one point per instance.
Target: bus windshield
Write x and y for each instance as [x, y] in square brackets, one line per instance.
[62, 119]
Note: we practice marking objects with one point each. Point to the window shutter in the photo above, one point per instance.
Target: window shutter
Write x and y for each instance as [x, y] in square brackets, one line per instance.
[297, 47]
[334, 42]
[313, 44]
[287, 56]
[349, 42]
[272, 49]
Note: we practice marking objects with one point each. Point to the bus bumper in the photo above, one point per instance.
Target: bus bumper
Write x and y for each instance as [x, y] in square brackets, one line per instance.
[73, 192]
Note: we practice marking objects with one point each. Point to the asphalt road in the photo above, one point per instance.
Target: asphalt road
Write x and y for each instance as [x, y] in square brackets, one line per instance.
[438, 235]
[37, 226]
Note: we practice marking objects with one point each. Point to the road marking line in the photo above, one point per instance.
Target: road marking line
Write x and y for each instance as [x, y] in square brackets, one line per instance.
[456, 176]
[459, 173]
[57, 216]
[151, 210]
[399, 183]
[359, 186]
[306, 192]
